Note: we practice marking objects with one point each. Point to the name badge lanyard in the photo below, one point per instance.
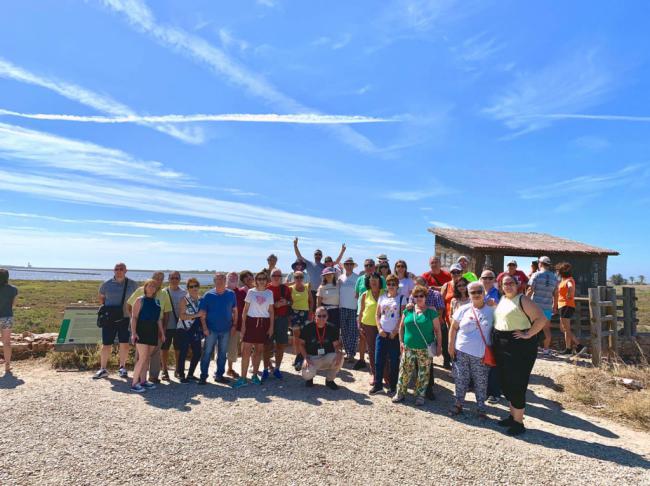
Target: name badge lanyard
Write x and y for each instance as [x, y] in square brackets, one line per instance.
[321, 340]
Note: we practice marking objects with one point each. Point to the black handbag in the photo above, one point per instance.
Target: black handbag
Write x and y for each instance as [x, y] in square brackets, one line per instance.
[111, 314]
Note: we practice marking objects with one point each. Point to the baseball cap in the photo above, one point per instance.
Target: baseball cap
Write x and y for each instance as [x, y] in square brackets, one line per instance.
[328, 270]
[455, 267]
[462, 257]
[512, 262]
[544, 259]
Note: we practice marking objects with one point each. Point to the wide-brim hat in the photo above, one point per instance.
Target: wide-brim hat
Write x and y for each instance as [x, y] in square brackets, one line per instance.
[297, 263]
[350, 260]
[328, 270]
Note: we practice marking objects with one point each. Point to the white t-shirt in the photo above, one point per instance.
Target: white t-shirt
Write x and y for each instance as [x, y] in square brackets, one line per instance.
[347, 291]
[390, 311]
[329, 294]
[468, 338]
[406, 286]
[259, 302]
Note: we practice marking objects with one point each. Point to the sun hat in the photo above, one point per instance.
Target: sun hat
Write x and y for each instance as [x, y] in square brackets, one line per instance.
[328, 259]
[328, 270]
[382, 256]
[298, 263]
[350, 260]
[462, 257]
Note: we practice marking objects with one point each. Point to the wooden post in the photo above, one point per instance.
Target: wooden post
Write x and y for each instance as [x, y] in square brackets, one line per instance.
[596, 326]
[613, 324]
[576, 320]
[628, 303]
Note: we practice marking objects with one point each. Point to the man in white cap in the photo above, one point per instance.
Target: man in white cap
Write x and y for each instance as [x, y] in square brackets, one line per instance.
[543, 290]
[520, 277]
[382, 258]
[463, 261]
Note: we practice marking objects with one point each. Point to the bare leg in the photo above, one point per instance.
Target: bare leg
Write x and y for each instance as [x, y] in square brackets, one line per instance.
[517, 414]
[267, 357]
[362, 345]
[547, 335]
[569, 338]
[105, 354]
[279, 354]
[164, 356]
[257, 357]
[296, 336]
[245, 358]
[6, 348]
[124, 354]
[139, 365]
[147, 356]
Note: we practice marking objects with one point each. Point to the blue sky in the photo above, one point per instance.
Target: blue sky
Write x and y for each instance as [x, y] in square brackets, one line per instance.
[381, 119]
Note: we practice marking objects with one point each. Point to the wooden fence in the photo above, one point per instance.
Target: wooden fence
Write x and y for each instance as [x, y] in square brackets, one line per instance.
[604, 316]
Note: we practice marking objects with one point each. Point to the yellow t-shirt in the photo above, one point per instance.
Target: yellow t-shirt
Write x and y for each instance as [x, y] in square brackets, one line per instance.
[300, 299]
[510, 316]
[161, 296]
[369, 317]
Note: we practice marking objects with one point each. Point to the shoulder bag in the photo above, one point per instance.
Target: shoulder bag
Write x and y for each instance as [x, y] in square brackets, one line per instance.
[431, 347]
[111, 314]
[488, 358]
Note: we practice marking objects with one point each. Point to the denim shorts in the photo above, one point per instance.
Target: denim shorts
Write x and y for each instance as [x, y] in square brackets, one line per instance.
[6, 322]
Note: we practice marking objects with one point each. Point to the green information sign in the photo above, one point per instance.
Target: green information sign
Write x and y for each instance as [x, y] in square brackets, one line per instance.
[78, 328]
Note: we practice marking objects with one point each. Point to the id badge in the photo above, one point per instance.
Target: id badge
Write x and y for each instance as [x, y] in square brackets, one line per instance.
[321, 351]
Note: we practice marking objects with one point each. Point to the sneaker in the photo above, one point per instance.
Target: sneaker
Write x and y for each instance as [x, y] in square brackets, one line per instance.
[176, 374]
[222, 379]
[392, 392]
[101, 373]
[331, 385]
[185, 380]
[297, 363]
[277, 374]
[137, 388]
[165, 376]
[376, 389]
[241, 382]
[202, 381]
[148, 385]
[580, 350]
[360, 365]
[567, 352]
[492, 399]
[309, 383]
[255, 380]
[506, 422]
[192, 378]
[265, 375]
[398, 398]
[419, 401]
[123, 373]
[516, 429]
[546, 353]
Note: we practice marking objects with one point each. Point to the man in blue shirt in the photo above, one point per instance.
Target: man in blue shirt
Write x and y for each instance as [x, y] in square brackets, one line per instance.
[218, 313]
[491, 290]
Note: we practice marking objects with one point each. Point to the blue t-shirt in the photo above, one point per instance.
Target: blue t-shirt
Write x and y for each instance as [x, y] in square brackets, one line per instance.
[218, 309]
[493, 293]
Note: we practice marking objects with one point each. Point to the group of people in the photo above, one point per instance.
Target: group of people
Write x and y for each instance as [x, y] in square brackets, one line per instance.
[483, 326]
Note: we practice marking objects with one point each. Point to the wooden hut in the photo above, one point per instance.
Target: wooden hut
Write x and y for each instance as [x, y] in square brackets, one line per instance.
[490, 248]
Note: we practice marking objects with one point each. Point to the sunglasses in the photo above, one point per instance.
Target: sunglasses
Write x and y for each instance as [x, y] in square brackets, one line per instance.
[455, 272]
[391, 285]
[120, 269]
[507, 284]
[321, 315]
[368, 265]
[299, 278]
[476, 292]
[174, 278]
[487, 278]
[419, 296]
[400, 266]
[276, 276]
[193, 286]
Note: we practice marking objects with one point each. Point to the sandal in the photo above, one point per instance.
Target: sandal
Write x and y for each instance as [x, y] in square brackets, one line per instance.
[456, 410]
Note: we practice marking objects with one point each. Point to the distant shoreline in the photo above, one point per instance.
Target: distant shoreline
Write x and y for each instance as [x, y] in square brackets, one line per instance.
[94, 271]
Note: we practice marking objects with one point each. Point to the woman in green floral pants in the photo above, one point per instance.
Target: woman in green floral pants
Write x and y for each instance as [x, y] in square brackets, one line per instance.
[419, 327]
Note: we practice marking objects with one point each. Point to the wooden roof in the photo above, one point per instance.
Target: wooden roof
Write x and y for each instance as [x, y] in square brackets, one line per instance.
[513, 243]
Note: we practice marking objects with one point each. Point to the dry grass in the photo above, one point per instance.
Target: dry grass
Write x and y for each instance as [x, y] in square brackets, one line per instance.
[86, 359]
[600, 391]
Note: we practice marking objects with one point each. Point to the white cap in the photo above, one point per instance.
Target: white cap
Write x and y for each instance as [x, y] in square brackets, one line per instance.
[544, 259]
[462, 257]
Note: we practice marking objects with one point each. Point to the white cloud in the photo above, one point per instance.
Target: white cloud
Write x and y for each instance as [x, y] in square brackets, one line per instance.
[99, 102]
[198, 49]
[441, 224]
[124, 235]
[300, 118]
[333, 43]
[46, 150]
[228, 40]
[566, 86]
[267, 3]
[591, 143]
[141, 198]
[418, 194]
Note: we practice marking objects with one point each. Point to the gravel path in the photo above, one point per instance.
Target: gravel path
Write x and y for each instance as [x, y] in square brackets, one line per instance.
[65, 428]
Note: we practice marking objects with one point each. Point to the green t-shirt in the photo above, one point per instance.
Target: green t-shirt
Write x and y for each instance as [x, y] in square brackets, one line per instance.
[470, 277]
[412, 337]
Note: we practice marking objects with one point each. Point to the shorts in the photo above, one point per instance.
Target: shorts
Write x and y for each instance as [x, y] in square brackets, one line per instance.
[299, 319]
[256, 330]
[118, 329]
[281, 330]
[6, 322]
[171, 336]
[567, 312]
[147, 332]
[234, 344]
[548, 314]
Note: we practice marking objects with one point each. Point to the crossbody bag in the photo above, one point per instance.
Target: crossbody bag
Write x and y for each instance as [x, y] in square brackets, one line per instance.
[111, 314]
[431, 347]
[488, 358]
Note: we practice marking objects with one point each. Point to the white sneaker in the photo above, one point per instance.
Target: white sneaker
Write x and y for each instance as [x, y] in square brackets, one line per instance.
[123, 373]
[101, 373]
[137, 388]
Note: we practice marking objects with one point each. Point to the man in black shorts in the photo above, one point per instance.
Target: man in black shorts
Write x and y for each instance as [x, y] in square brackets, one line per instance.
[176, 294]
[115, 292]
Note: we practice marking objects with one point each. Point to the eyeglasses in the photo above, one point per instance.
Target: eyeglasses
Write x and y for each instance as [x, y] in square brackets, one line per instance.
[487, 278]
[476, 292]
[193, 286]
[400, 266]
[368, 265]
[299, 278]
[455, 272]
[318, 254]
[321, 315]
[120, 269]
[276, 276]
[419, 296]
[174, 278]
[391, 285]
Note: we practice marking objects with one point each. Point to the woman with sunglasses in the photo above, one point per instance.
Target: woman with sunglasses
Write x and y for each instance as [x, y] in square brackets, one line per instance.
[419, 327]
[247, 280]
[389, 314]
[517, 320]
[368, 320]
[189, 331]
[384, 270]
[461, 296]
[406, 283]
[327, 296]
[471, 328]
[146, 331]
[256, 329]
